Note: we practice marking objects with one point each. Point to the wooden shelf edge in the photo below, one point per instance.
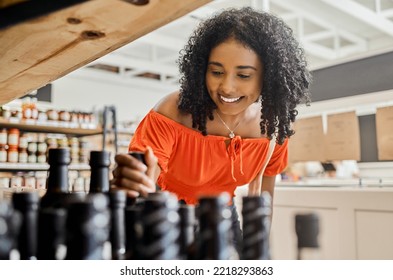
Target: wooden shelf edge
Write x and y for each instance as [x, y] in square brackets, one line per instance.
[50, 128]
[11, 166]
[49, 47]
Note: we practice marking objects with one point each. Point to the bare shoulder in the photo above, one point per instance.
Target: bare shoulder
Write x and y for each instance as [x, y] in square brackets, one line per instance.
[167, 106]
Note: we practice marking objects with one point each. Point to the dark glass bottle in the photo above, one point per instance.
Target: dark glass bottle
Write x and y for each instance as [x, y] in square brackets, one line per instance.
[57, 186]
[160, 223]
[187, 231]
[134, 230]
[256, 214]
[51, 233]
[215, 230]
[27, 204]
[99, 166]
[99, 183]
[54, 202]
[117, 202]
[88, 226]
[11, 220]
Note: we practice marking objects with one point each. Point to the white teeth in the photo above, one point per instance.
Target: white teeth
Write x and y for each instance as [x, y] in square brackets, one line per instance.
[229, 100]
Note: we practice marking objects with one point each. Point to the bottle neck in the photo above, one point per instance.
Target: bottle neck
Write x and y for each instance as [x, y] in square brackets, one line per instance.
[99, 179]
[58, 179]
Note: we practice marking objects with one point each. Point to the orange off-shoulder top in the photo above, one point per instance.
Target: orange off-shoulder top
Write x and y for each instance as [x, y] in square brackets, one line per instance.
[193, 164]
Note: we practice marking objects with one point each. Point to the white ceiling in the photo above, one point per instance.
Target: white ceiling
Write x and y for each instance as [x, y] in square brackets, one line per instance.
[331, 32]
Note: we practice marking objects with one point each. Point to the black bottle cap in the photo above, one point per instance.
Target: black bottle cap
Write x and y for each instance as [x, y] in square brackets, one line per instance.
[59, 156]
[100, 158]
[138, 155]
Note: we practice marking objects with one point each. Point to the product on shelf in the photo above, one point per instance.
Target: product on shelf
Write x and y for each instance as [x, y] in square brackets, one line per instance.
[3, 137]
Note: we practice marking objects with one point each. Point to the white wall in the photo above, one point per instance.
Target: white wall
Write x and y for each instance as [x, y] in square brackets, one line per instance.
[74, 93]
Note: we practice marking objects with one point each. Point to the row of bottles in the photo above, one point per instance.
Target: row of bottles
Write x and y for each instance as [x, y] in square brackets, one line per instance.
[105, 224]
[18, 147]
[30, 113]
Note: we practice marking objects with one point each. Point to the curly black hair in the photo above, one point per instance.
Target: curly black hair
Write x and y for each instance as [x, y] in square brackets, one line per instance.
[286, 79]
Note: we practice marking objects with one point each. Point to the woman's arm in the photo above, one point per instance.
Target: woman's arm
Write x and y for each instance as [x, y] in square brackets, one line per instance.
[268, 183]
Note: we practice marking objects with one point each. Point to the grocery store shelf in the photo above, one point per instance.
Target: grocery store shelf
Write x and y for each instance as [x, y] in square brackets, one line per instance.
[50, 127]
[10, 166]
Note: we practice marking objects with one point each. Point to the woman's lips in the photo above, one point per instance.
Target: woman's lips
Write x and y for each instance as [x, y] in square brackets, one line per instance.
[230, 100]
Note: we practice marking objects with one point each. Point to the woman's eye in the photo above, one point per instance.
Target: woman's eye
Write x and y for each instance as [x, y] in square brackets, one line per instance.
[217, 73]
[244, 76]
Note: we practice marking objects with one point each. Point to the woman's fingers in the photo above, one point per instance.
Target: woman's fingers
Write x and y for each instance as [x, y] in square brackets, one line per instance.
[130, 175]
[151, 161]
[131, 162]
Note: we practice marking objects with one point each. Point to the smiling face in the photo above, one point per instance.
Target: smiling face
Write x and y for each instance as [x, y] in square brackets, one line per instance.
[234, 77]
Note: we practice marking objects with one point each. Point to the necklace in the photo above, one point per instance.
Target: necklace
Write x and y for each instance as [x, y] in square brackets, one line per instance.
[231, 131]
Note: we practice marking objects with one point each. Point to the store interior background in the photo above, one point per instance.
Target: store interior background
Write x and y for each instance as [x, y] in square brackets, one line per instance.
[333, 34]
[349, 45]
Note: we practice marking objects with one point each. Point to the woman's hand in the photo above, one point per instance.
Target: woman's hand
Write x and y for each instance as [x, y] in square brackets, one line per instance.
[135, 177]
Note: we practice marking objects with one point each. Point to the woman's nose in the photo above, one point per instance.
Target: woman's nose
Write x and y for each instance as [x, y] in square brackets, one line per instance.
[227, 84]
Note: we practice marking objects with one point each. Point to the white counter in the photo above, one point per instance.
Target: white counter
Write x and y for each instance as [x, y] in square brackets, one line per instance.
[355, 222]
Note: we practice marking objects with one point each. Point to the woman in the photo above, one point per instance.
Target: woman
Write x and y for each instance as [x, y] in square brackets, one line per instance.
[243, 74]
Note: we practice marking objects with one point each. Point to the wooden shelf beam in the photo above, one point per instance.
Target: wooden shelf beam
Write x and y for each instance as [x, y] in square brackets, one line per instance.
[24, 126]
[43, 49]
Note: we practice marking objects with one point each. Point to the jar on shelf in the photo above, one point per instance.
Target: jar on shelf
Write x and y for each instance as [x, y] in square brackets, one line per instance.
[22, 156]
[81, 117]
[62, 143]
[26, 108]
[41, 157]
[34, 109]
[74, 117]
[40, 182]
[42, 116]
[13, 154]
[64, 116]
[30, 181]
[32, 147]
[52, 114]
[5, 112]
[32, 157]
[16, 114]
[3, 153]
[3, 136]
[23, 141]
[4, 183]
[42, 147]
[13, 137]
[16, 181]
[51, 143]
